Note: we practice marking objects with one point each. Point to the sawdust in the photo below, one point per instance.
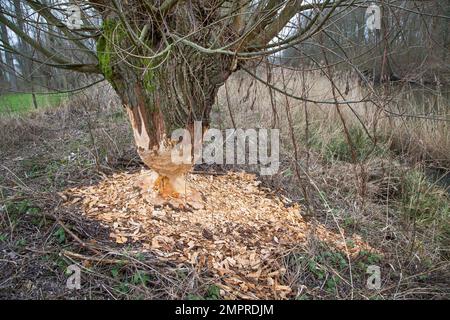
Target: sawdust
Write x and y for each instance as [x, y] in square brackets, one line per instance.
[238, 233]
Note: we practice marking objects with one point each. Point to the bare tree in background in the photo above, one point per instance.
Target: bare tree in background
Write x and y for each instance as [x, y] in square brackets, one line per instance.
[9, 68]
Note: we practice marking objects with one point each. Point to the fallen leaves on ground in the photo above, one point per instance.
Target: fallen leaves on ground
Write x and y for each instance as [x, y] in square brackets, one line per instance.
[238, 234]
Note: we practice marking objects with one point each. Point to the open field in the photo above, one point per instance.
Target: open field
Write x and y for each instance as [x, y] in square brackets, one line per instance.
[16, 103]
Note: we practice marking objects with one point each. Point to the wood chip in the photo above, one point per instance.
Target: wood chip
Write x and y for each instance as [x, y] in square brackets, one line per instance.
[238, 232]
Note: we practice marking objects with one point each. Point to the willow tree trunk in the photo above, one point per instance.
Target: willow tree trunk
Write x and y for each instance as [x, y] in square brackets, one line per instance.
[170, 96]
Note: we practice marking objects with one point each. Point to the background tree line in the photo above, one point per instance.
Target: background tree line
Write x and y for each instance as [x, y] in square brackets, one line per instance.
[412, 45]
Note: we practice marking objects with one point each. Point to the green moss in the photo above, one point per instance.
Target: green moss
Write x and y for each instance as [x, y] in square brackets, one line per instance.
[104, 58]
[112, 33]
[149, 83]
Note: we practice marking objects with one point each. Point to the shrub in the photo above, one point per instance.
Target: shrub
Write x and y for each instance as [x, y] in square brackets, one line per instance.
[338, 147]
[426, 204]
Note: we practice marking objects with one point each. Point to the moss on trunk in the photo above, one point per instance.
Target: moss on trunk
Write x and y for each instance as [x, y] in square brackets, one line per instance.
[113, 33]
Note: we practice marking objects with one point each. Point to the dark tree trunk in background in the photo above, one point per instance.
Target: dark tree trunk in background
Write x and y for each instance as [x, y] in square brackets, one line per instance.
[25, 64]
[3, 75]
[11, 71]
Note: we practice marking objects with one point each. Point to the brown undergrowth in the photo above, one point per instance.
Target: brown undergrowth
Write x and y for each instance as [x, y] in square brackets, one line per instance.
[85, 146]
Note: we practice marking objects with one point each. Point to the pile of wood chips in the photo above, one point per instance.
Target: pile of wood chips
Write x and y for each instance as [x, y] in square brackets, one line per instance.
[238, 235]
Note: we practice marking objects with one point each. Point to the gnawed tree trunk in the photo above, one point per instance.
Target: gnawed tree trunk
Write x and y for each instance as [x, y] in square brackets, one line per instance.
[173, 98]
[156, 56]
[161, 95]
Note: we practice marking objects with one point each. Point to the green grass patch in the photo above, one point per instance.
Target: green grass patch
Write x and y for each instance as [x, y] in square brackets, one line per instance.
[333, 144]
[338, 147]
[426, 203]
[212, 293]
[23, 102]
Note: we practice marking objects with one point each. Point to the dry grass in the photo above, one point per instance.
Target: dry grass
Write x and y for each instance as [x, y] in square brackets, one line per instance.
[382, 197]
[382, 191]
[417, 134]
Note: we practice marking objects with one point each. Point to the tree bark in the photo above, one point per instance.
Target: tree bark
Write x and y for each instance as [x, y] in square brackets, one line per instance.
[169, 97]
[164, 84]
